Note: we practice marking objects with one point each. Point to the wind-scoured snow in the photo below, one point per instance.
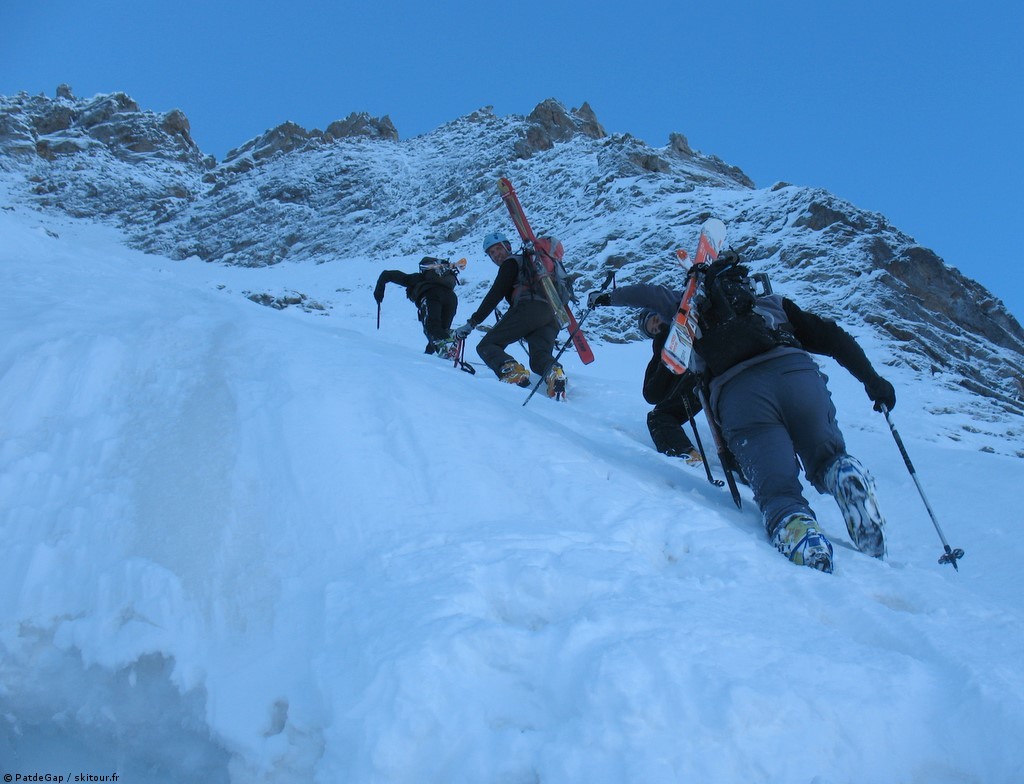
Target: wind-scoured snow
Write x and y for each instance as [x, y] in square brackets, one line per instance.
[251, 545]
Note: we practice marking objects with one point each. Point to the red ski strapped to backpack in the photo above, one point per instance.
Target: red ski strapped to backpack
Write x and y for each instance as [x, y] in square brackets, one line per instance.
[676, 353]
[547, 257]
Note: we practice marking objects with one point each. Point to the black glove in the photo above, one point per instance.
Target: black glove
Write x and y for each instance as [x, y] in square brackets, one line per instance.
[463, 332]
[595, 298]
[881, 393]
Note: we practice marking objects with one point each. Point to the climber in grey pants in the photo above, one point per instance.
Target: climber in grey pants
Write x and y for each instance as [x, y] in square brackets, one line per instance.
[772, 410]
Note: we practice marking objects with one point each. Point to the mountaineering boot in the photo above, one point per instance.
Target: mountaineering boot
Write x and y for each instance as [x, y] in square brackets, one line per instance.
[798, 538]
[514, 373]
[692, 457]
[446, 348]
[681, 448]
[556, 382]
[854, 490]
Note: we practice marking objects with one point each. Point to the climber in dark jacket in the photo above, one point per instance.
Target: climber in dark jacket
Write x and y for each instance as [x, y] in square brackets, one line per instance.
[432, 290]
[776, 413]
[674, 398]
[529, 318]
[771, 401]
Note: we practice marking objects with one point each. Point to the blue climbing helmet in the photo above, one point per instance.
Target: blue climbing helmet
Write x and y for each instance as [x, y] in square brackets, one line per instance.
[494, 238]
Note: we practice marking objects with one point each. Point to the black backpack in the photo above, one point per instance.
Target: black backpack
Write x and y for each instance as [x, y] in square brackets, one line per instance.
[731, 329]
[441, 271]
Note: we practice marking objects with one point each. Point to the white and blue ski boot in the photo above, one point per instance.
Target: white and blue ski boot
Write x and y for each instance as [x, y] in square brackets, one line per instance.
[854, 490]
[797, 537]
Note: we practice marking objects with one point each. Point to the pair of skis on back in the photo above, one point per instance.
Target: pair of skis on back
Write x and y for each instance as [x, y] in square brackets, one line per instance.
[544, 268]
[678, 349]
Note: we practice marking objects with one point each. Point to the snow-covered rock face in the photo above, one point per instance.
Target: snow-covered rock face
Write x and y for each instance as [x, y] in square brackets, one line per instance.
[356, 189]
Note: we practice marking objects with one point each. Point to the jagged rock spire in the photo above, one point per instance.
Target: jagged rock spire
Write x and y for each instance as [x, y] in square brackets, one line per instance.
[551, 122]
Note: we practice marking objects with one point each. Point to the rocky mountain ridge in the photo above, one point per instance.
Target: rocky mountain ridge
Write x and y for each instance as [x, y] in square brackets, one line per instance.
[357, 190]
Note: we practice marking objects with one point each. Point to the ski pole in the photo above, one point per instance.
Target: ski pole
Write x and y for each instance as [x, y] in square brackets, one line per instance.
[579, 325]
[950, 555]
[378, 315]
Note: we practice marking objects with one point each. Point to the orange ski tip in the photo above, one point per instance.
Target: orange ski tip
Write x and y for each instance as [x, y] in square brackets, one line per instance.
[681, 254]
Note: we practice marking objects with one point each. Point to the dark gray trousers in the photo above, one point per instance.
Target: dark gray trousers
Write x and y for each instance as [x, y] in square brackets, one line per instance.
[436, 311]
[772, 413]
[530, 320]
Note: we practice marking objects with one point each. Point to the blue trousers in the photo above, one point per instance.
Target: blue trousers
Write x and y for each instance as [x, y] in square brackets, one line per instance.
[772, 414]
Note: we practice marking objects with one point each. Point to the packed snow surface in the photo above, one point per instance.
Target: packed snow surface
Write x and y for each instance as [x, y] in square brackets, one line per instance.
[257, 545]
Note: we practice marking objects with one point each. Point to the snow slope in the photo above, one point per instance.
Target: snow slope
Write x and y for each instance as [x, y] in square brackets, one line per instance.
[250, 545]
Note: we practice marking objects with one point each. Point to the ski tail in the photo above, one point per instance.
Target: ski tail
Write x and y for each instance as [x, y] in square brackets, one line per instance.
[679, 345]
[712, 240]
[515, 210]
[579, 340]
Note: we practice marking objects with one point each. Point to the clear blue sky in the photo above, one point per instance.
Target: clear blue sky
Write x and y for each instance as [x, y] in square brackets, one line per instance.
[909, 108]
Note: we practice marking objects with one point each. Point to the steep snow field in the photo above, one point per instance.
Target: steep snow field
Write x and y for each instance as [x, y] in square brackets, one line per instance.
[242, 544]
